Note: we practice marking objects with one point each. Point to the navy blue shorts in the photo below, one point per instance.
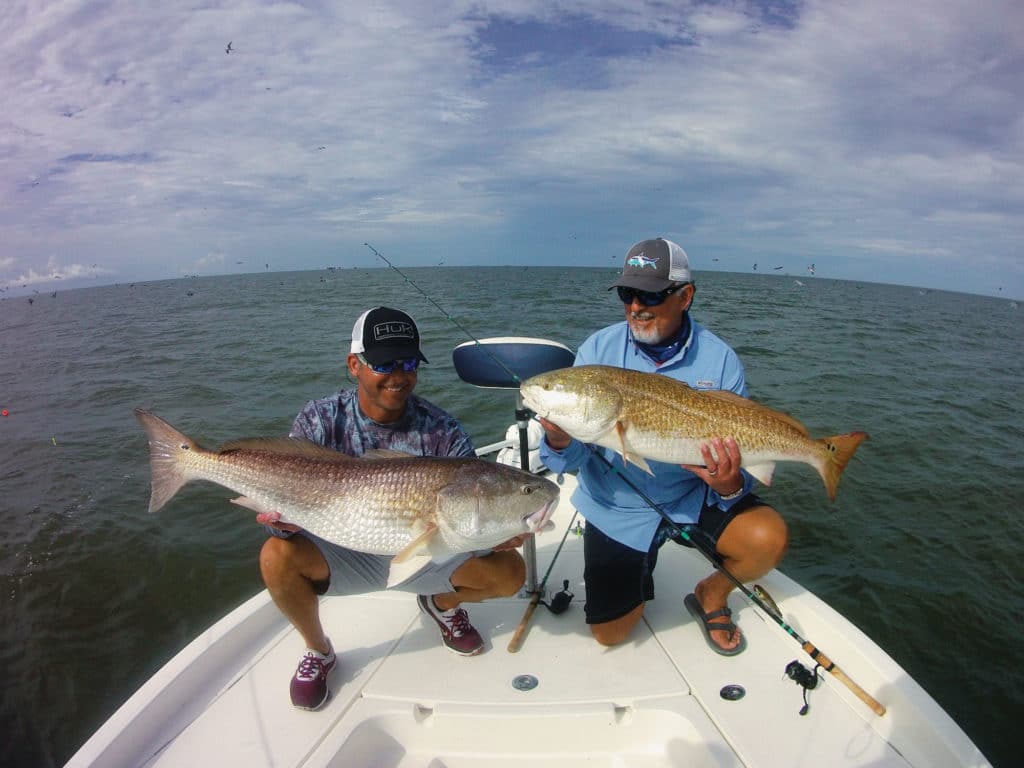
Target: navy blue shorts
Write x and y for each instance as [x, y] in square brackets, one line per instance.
[619, 578]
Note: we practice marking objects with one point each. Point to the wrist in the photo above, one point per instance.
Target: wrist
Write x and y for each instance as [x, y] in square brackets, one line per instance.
[734, 495]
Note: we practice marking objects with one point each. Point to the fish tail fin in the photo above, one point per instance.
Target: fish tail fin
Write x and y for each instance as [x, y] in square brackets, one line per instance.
[840, 449]
[166, 447]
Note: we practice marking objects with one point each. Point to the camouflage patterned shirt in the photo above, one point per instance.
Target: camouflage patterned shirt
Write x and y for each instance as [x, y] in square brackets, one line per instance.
[424, 429]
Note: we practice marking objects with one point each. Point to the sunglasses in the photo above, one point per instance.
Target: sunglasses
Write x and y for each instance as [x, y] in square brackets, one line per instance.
[647, 298]
[409, 365]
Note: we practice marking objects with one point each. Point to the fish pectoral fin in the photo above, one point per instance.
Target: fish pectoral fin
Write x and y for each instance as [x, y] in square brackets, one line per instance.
[627, 457]
[416, 556]
[255, 506]
[640, 462]
[762, 472]
[420, 546]
[405, 570]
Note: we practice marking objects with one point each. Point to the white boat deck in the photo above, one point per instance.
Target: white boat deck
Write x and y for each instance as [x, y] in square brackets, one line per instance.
[401, 699]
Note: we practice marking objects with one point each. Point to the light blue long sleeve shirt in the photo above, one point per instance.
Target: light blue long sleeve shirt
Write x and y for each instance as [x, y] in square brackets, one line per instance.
[703, 362]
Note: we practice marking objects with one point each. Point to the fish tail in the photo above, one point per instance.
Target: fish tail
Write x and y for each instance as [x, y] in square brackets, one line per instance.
[167, 447]
[840, 449]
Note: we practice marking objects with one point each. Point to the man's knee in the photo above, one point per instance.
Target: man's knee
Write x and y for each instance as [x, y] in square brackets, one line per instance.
[759, 533]
[606, 636]
[771, 537]
[509, 573]
[272, 558]
[281, 557]
[616, 631]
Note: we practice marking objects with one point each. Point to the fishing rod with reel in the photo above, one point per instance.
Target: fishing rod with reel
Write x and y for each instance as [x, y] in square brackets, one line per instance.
[494, 376]
[805, 679]
[503, 363]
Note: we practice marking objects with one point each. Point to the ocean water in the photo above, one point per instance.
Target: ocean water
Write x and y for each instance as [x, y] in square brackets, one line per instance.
[923, 549]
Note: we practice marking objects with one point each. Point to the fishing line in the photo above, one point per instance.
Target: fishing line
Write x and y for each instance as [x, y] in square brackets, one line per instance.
[560, 602]
[822, 660]
[447, 316]
[675, 530]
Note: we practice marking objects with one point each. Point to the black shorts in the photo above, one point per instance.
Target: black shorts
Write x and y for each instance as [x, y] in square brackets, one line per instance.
[620, 578]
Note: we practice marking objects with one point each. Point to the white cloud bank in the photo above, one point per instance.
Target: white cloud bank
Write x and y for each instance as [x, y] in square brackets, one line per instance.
[542, 133]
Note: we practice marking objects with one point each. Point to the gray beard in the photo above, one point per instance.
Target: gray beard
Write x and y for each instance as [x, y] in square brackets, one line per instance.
[644, 337]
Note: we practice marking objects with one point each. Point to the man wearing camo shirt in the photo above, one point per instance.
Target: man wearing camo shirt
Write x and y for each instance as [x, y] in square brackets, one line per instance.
[380, 413]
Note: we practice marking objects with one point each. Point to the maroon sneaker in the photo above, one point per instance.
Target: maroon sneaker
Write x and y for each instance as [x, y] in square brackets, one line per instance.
[456, 631]
[309, 685]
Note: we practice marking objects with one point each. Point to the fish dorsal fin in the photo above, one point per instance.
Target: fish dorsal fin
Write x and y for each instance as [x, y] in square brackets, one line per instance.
[731, 397]
[388, 453]
[286, 446]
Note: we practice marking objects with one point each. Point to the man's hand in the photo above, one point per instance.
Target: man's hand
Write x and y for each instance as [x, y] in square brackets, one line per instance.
[721, 469]
[513, 543]
[556, 437]
[272, 519]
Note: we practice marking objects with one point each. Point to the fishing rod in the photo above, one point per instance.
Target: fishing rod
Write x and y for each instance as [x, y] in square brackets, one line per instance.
[558, 603]
[809, 648]
[824, 661]
[529, 547]
[448, 317]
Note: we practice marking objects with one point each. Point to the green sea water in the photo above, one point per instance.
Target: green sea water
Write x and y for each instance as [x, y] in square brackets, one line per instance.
[923, 549]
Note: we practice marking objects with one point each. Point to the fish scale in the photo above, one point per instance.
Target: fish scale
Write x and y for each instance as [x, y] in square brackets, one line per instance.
[369, 506]
[651, 416]
[381, 504]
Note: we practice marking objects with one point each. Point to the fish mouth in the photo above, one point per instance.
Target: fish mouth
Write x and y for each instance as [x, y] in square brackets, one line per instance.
[532, 403]
[537, 520]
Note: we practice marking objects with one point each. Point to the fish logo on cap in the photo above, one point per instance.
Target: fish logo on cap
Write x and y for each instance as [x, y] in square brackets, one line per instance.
[642, 260]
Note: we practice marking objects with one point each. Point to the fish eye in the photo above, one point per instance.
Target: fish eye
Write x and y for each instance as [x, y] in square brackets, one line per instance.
[184, 446]
[527, 489]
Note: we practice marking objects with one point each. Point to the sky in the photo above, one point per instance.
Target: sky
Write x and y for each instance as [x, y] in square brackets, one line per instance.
[876, 140]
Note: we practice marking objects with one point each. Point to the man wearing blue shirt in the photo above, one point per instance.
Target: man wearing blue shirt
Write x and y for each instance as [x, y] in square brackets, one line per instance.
[712, 503]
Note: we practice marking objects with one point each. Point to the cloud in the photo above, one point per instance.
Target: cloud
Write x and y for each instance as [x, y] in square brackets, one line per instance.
[211, 263]
[791, 127]
[53, 272]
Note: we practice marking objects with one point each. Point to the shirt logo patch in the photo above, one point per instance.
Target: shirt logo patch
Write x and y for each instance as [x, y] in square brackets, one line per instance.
[393, 330]
[706, 384]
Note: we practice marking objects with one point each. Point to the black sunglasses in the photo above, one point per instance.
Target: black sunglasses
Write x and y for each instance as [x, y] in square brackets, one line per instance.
[647, 298]
[409, 365]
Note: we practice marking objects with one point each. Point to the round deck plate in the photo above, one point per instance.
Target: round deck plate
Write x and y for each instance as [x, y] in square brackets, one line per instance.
[732, 692]
[525, 682]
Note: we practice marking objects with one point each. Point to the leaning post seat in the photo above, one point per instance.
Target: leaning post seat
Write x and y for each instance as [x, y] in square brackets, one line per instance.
[504, 363]
[491, 363]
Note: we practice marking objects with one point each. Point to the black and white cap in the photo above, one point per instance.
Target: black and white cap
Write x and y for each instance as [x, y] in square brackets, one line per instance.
[383, 334]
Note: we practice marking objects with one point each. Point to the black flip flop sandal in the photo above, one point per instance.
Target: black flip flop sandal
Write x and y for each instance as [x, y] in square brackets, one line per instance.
[693, 606]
